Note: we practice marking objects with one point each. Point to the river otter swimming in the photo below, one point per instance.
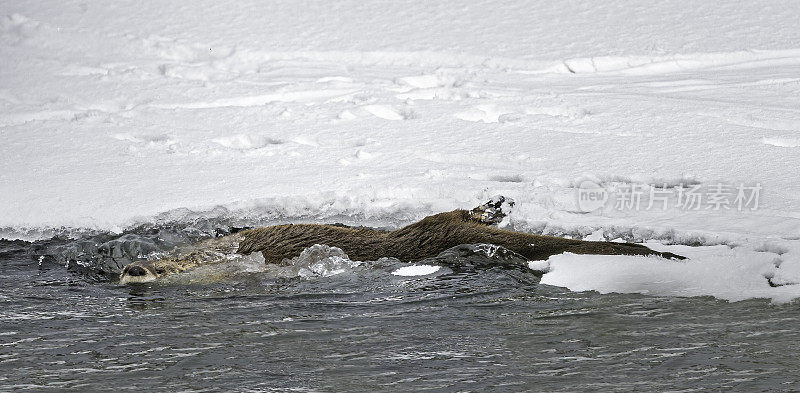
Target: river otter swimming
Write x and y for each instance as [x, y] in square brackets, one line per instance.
[424, 239]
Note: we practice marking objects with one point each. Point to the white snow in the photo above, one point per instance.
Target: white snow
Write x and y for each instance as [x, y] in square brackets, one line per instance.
[385, 112]
[782, 142]
[539, 266]
[416, 270]
[731, 274]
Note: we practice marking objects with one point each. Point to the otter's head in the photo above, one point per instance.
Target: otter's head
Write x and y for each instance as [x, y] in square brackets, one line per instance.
[140, 272]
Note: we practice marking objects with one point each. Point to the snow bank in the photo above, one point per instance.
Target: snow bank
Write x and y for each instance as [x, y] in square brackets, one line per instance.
[723, 272]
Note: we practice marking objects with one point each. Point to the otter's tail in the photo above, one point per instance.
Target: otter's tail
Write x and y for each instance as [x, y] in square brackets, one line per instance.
[612, 248]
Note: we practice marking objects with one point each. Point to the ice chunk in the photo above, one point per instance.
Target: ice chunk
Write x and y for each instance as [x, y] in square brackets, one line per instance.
[416, 270]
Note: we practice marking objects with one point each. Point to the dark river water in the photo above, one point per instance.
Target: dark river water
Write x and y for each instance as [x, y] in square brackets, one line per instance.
[65, 325]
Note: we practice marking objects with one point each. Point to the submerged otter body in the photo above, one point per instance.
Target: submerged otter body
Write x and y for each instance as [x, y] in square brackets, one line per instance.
[207, 251]
[424, 239]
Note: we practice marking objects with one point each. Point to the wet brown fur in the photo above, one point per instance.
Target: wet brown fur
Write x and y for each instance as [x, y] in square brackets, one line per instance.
[183, 258]
[424, 239]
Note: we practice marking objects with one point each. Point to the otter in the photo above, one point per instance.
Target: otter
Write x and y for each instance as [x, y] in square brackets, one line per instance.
[424, 239]
[207, 251]
[421, 240]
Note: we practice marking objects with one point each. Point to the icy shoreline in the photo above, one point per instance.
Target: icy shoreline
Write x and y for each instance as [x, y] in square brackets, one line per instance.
[113, 116]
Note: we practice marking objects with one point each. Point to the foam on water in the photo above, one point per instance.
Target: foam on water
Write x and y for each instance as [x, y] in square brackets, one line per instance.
[321, 261]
